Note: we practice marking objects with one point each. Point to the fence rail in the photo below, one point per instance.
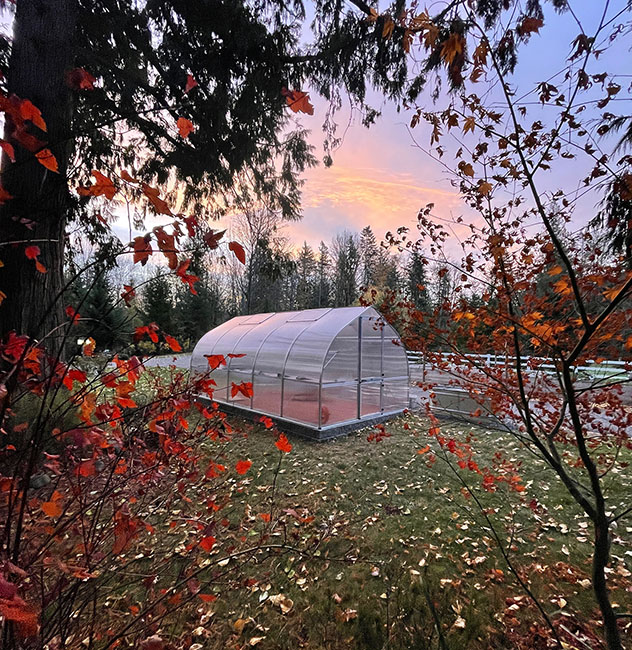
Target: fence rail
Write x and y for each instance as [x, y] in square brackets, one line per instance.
[592, 369]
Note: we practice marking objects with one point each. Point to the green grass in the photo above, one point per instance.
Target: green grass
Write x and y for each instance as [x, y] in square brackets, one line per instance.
[395, 551]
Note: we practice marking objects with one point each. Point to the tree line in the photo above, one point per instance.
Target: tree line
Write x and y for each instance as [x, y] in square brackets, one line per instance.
[352, 268]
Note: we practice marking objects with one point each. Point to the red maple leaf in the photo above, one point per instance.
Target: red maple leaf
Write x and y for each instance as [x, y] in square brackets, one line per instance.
[243, 466]
[142, 249]
[283, 444]
[191, 83]
[238, 249]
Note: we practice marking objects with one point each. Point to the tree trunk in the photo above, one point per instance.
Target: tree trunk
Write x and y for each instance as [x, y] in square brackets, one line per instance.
[601, 556]
[42, 53]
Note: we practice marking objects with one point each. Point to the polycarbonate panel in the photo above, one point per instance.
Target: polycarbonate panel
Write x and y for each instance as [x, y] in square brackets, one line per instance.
[339, 404]
[220, 377]
[394, 361]
[300, 401]
[372, 326]
[257, 318]
[371, 357]
[249, 345]
[370, 395]
[395, 394]
[199, 363]
[274, 350]
[267, 394]
[310, 314]
[307, 356]
[341, 362]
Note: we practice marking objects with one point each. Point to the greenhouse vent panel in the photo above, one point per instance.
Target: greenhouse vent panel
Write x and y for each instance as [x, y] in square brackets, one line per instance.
[318, 372]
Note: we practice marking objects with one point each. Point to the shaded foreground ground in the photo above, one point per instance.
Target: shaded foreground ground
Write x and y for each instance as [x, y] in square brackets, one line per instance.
[376, 548]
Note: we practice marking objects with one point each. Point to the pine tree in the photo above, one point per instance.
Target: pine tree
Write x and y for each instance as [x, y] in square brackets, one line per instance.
[102, 316]
[158, 303]
[417, 282]
[306, 269]
[369, 252]
[346, 269]
[197, 313]
[323, 284]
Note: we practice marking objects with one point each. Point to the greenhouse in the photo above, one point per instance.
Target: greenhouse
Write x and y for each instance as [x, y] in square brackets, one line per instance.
[318, 372]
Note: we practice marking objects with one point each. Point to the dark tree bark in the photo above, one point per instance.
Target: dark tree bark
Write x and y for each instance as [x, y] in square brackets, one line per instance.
[42, 53]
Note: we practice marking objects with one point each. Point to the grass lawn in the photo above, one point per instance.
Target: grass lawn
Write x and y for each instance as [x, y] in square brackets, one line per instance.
[384, 550]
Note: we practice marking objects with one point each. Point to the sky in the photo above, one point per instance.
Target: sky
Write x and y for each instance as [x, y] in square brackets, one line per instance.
[380, 178]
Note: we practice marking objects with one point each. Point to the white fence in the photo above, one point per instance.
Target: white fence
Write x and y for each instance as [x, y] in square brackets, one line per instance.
[592, 370]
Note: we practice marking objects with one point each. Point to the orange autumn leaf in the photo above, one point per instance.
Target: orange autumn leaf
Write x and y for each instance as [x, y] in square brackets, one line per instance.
[53, 508]
[207, 543]
[611, 294]
[245, 388]
[160, 205]
[128, 294]
[265, 516]
[80, 79]
[243, 466]
[125, 530]
[88, 347]
[484, 188]
[142, 249]
[298, 101]
[172, 343]
[185, 127]
[207, 598]
[215, 360]
[283, 444]
[30, 112]
[387, 29]
[46, 158]
[126, 176]
[104, 186]
[40, 267]
[452, 47]
[7, 147]
[530, 25]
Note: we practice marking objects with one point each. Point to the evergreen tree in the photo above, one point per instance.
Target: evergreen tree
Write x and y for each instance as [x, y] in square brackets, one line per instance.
[306, 270]
[417, 282]
[197, 313]
[346, 269]
[369, 252]
[271, 267]
[102, 316]
[158, 303]
[323, 284]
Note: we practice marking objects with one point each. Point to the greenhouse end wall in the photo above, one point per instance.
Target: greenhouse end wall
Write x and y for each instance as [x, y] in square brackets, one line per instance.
[318, 371]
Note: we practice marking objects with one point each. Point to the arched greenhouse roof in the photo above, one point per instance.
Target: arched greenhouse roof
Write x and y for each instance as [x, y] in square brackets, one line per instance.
[317, 367]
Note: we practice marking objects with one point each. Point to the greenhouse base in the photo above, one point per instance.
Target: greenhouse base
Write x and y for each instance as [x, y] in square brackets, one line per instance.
[304, 431]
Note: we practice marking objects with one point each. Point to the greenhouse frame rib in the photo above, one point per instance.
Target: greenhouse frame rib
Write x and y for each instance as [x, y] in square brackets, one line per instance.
[307, 367]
